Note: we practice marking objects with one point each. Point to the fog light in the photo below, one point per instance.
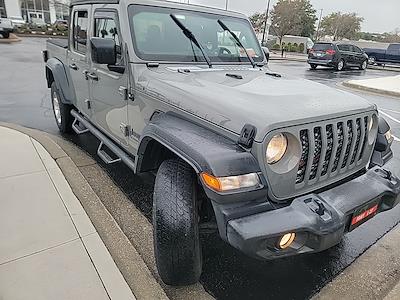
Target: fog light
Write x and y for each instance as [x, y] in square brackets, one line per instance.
[287, 240]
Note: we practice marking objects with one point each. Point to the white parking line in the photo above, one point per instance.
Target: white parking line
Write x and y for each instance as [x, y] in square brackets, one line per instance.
[393, 119]
[391, 110]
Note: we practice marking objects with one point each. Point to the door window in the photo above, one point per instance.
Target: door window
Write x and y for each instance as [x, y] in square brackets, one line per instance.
[80, 28]
[105, 26]
[356, 49]
[344, 47]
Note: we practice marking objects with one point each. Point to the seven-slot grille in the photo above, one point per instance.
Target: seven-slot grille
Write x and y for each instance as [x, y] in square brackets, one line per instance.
[329, 148]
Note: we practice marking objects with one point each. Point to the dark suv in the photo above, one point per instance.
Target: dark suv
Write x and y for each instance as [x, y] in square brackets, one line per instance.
[337, 55]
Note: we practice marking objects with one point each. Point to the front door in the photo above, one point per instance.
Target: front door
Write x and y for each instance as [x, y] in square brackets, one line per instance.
[78, 57]
[109, 88]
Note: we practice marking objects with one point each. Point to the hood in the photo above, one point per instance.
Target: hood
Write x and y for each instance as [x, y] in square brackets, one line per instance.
[265, 101]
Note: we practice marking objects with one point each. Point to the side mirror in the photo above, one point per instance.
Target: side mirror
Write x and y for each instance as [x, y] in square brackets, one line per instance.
[103, 51]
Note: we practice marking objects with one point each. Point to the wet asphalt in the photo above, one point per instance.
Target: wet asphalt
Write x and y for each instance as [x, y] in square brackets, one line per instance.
[228, 274]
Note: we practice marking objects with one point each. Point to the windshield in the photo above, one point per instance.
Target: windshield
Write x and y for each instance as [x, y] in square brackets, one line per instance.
[157, 37]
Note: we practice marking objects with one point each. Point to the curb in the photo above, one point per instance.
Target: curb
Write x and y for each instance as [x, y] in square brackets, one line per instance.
[372, 276]
[131, 265]
[369, 89]
[287, 59]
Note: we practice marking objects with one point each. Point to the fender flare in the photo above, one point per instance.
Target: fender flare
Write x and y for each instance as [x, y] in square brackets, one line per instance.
[55, 70]
[201, 148]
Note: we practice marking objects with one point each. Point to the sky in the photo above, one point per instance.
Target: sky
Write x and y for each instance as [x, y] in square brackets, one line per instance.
[379, 16]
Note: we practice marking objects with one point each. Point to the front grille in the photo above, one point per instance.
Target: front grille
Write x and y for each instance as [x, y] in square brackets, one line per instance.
[331, 149]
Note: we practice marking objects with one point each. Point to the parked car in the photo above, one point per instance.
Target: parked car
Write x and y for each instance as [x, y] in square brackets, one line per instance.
[17, 21]
[61, 24]
[337, 55]
[6, 27]
[281, 166]
[381, 56]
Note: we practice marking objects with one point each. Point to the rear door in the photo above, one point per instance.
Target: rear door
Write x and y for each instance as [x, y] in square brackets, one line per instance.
[358, 55]
[347, 54]
[78, 57]
[109, 88]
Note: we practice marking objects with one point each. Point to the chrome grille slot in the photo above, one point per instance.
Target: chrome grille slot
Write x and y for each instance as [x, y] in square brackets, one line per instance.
[329, 149]
[305, 148]
[358, 141]
[365, 137]
[350, 135]
[340, 136]
[317, 152]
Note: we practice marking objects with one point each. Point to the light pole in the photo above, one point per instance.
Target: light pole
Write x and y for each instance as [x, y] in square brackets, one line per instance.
[226, 4]
[266, 21]
[319, 25]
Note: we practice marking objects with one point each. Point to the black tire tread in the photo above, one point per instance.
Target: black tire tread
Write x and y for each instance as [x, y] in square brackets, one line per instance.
[65, 109]
[175, 220]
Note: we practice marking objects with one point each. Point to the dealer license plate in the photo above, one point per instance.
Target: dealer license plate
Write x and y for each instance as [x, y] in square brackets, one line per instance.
[362, 215]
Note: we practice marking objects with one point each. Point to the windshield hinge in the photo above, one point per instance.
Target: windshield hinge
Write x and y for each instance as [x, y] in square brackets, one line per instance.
[247, 136]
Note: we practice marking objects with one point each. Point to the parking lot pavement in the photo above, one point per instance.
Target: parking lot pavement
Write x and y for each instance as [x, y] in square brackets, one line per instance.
[49, 247]
[228, 274]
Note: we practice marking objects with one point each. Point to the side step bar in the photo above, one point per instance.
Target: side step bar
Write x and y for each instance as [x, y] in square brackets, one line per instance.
[104, 141]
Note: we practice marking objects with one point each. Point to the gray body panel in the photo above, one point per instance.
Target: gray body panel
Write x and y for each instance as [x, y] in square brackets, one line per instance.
[205, 101]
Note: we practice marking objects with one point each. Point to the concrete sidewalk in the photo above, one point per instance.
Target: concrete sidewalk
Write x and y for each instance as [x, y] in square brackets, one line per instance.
[384, 85]
[49, 248]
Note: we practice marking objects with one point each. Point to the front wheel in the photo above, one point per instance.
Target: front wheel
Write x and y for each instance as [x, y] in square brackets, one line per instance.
[364, 65]
[62, 112]
[340, 65]
[6, 35]
[313, 66]
[176, 224]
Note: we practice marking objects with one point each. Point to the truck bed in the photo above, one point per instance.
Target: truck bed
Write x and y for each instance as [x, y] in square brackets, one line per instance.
[57, 48]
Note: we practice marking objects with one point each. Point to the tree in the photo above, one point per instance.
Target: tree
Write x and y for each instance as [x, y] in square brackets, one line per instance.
[341, 25]
[258, 22]
[296, 17]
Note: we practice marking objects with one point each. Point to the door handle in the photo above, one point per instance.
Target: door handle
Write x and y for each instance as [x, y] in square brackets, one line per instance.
[73, 67]
[92, 76]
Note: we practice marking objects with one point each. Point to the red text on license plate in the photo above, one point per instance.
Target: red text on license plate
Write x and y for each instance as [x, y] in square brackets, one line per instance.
[365, 214]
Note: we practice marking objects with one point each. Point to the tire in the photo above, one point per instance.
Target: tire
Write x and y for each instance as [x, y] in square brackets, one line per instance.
[340, 65]
[6, 35]
[313, 66]
[62, 112]
[364, 65]
[175, 219]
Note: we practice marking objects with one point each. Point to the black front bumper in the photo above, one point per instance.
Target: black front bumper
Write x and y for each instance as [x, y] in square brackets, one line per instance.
[319, 220]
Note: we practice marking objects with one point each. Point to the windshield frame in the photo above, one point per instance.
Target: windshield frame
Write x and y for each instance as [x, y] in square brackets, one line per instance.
[243, 60]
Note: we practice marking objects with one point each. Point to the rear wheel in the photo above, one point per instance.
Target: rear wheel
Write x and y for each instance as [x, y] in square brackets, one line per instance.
[364, 65]
[62, 112]
[340, 65]
[313, 66]
[176, 224]
[372, 60]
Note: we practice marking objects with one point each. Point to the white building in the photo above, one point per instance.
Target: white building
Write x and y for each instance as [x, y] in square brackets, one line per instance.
[35, 11]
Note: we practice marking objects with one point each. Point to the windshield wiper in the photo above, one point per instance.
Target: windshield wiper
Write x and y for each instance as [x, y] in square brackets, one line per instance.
[238, 42]
[192, 38]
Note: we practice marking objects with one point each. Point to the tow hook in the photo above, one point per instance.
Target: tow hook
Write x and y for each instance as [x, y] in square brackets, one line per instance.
[319, 208]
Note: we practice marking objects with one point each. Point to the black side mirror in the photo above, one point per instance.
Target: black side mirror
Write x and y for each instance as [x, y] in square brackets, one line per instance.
[103, 51]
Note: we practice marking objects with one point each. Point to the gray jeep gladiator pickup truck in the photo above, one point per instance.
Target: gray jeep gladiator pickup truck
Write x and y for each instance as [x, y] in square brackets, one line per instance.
[282, 166]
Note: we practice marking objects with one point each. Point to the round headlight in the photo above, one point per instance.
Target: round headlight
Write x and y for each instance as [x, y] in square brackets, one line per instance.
[276, 148]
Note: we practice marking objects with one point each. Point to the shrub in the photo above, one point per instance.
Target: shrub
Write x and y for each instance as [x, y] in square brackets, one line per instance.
[276, 47]
[301, 47]
[294, 48]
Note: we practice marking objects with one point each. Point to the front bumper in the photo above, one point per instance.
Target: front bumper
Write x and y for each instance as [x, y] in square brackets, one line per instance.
[319, 220]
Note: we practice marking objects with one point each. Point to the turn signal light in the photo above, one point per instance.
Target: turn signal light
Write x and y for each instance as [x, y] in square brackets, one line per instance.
[231, 183]
[286, 240]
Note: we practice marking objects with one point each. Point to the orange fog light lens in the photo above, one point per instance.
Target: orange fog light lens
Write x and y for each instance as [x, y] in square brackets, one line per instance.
[211, 181]
[287, 240]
